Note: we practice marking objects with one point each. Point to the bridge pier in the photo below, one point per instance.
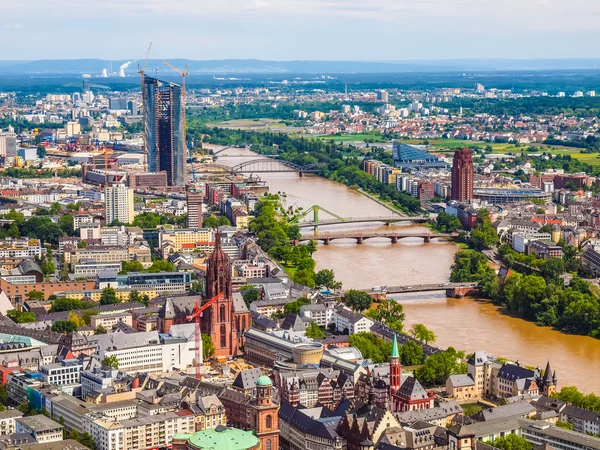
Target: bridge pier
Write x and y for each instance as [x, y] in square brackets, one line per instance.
[427, 239]
[300, 174]
[359, 240]
[460, 292]
[394, 239]
[326, 241]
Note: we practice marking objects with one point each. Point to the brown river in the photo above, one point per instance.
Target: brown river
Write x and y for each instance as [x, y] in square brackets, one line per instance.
[466, 324]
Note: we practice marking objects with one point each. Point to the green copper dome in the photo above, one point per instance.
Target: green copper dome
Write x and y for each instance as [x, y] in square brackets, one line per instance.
[264, 380]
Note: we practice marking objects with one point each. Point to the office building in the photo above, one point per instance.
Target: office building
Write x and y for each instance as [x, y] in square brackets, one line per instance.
[462, 175]
[148, 180]
[410, 157]
[382, 96]
[164, 128]
[8, 143]
[117, 103]
[42, 428]
[194, 209]
[119, 204]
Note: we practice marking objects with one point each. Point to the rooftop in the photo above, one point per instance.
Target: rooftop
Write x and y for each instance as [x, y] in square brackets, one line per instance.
[222, 438]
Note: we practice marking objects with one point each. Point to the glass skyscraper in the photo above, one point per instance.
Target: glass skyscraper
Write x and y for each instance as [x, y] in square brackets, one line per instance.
[164, 128]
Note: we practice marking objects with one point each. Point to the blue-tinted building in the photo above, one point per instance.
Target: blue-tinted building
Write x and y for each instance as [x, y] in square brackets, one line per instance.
[164, 126]
[407, 156]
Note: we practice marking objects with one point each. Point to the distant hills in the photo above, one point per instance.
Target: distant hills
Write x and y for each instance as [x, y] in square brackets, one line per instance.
[95, 67]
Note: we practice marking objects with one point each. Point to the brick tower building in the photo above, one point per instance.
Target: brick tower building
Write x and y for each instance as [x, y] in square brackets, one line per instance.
[219, 320]
[395, 368]
[264, 415]
[462, 175]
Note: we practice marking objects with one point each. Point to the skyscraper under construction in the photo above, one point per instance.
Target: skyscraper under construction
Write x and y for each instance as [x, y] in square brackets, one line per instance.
[164, 128]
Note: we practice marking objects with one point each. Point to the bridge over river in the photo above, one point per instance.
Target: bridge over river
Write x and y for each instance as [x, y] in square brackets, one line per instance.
[456, 290]
[361, 236]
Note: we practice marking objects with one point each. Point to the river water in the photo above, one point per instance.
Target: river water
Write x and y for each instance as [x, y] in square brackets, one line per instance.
[466, 324]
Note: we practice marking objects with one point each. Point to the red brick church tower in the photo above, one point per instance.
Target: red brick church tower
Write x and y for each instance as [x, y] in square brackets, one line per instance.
[395, 368]
[264, 415]
[218, 320]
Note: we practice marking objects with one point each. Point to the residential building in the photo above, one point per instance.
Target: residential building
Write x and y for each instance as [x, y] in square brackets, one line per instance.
[8, 144]
[583, 420]
[462, 176]
[20, 248]
[8, 421]
[348, 322]
[544, 249]
[65, 373]
[42, 428]
[461, 387]
[520, 240]
[119, 204]
[466, 437]
[542, 434]
[110, 320]
[310, 428]
[96, 380]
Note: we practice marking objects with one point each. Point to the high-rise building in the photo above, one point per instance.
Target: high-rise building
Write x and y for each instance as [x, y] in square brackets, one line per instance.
[382, 96]
[8, 143]
[462, 175]
[194, 209]
[118, 203]
[117, 103]
[164, 128]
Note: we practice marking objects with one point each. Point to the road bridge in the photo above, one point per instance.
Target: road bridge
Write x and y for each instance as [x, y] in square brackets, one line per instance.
[388, 220]
[360, 237]
[456, 290]
[263, 165]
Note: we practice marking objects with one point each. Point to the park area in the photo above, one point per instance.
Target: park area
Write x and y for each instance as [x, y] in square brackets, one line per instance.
[255, 125]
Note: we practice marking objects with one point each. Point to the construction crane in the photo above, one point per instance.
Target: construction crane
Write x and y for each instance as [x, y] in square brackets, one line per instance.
[184, 73]
[196, 316]
[142, 71]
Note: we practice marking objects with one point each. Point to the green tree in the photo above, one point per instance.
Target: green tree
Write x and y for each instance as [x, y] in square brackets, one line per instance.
[66, 224]
[313, 331]
[161, 265]
[131, 266]
[552, 269]
[100, 330]
[3, 395]
[135, 296]
[390, 313]
[111, 361]
[411, 354]
[108, 296]
[64, 326]
[35, 295]
[372, 347]
[326, 278]
[358, 300]
[41, 152]
[447, 223]
[25, 408]
[512, 442]
[87, 314]
[65, 304]
[439, 366]
[294, 307]
[483, 234]
[422, 333]
[250, 295]
[208, 348]
[21, 316]
[565, 425]
[214, 222]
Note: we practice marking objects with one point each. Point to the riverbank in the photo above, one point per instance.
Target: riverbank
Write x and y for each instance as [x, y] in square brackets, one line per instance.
[386, 205]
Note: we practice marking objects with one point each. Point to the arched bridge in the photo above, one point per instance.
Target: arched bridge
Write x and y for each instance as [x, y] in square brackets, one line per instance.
[383, 219]
[263, 165]
[361, 237]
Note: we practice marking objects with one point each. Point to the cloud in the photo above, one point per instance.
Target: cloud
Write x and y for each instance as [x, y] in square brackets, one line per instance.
[14, 26]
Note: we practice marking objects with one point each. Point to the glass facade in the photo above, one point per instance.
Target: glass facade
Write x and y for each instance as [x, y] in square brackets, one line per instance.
[164, 128]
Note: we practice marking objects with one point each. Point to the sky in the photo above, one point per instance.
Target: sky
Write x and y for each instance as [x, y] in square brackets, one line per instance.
[357, 30]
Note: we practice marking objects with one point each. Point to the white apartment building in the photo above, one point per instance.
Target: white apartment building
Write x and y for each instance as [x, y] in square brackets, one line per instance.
[62, 373]
[118, 203]
[345, 319]
[20, 248]
[520, 240]
[96, 380]
[8, 421]
[42, 428]
[147, 352]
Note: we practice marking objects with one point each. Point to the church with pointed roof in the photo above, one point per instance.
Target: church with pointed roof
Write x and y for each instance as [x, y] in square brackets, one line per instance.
[406, 393]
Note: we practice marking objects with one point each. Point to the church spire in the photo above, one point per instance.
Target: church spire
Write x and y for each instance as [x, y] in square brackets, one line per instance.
[395, 353]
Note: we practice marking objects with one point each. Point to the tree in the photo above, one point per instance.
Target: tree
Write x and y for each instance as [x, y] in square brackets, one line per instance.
[161, 265]
[76, 319]
[294, 307]
[109, 296]
[65, 304]
[422, 333]
[66, 224]
[358, 300]
[439, 366]
[483, 234]
[411, 354]
[41, 152]
[214, 221]
[87, 314]
[21, 316]
[131, 266]
[305, 277]
[100, 330]
[372, 347]
[313, 331]
[390, 313]
[447, 223]
[565, 425]
[552, 269]
[135, 297]
[208, 348]
[111, 361]
[35, 295]
[326, 278]
[25, 408]
[512, 442]
[64, 326]
[250, 295]
[3, 394]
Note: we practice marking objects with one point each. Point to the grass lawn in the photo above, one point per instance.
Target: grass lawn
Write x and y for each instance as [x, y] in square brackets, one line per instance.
[290, 270]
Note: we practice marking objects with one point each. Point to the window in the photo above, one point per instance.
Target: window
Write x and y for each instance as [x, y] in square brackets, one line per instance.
[269, 422]
[222, 314]
[269, 443]
[223, 336]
